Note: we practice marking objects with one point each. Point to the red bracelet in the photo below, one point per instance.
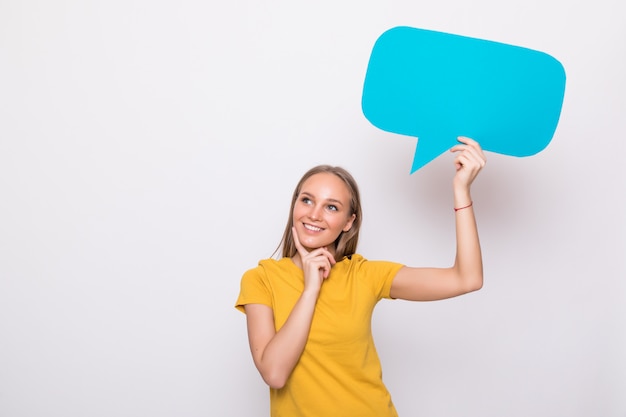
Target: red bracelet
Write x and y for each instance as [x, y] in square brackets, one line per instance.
[461, 208]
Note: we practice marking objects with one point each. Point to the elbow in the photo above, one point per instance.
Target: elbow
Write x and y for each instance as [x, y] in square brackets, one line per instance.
[471, 283]
[275, 381]
[274, 378]
[469, 275]
[475, 283]
[276, 386]
[477, 286]
[275, 373]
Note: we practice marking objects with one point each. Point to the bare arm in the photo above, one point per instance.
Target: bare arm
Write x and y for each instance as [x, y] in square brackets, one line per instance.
[466, 275]
[275, 354]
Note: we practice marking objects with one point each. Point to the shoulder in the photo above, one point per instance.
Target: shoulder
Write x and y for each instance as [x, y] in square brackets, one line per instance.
[257, 283]
[358, 262]
[270, 266]
[374, 274]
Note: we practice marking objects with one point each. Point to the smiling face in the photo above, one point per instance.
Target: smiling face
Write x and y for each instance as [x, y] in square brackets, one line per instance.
[322, 211]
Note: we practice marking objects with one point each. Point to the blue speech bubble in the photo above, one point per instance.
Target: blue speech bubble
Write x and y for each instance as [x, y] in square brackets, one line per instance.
[438, 86]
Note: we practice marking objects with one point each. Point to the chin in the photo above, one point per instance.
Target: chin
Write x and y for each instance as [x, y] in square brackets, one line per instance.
[316, 243]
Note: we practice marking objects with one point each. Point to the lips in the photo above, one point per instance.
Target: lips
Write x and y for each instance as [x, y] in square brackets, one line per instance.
[312, 228]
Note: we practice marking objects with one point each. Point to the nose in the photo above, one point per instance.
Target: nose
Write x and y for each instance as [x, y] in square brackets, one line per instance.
[315, 213]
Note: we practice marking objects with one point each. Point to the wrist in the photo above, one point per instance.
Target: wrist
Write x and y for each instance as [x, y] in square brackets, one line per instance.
[462, 198]
[310, 294]
[463, 207]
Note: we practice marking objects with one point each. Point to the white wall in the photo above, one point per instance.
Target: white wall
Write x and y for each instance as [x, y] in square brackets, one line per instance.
[148, 151]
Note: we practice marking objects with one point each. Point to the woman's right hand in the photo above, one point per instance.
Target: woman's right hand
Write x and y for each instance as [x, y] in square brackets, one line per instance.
[316, 264]
[276, 353]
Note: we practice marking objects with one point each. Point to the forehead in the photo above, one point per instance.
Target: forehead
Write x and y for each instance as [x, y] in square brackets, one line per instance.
[326, 185]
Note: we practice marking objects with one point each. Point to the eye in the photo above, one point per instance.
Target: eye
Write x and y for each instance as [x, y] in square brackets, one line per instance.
[332, 207]
[306, 200]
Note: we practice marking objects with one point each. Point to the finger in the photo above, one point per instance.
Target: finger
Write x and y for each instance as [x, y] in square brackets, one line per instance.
[478, 154]
[322, 260]
[326, 266]
[474, 150]
[323, 253]
[472, 154]
[468, 144]
[460, 162]
[296, 241]
[468, 162]
[325, 270]
[330, 256]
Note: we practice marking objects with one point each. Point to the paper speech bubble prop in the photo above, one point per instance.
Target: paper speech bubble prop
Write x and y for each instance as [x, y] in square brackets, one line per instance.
[437, 86]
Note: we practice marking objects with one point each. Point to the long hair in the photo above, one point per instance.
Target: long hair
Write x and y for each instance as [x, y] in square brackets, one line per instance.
[346, 243]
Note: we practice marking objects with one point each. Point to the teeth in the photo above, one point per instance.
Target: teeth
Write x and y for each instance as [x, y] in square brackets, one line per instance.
[312, 228]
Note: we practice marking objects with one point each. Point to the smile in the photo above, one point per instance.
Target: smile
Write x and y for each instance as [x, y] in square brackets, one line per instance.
[312, 228]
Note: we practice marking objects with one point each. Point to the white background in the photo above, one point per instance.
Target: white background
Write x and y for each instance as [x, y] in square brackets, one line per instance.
[148, 152]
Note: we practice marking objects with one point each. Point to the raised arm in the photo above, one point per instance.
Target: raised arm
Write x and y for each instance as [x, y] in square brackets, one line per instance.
[275, 354]
[466, 275]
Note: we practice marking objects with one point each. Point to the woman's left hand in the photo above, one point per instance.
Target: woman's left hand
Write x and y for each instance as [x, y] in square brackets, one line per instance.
[470, 159]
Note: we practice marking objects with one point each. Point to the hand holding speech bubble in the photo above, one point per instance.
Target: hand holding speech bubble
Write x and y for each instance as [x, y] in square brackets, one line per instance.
[438, 86]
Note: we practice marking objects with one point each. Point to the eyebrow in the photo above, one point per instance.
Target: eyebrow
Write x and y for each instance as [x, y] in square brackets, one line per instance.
[328, 200]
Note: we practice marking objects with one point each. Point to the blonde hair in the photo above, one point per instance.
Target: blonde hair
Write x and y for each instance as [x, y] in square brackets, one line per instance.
[346, 243]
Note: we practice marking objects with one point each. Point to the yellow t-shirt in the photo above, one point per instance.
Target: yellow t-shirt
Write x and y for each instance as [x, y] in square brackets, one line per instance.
[339, 372]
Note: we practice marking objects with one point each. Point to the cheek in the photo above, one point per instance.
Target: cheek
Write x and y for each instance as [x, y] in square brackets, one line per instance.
[297, 212]
[339, 224]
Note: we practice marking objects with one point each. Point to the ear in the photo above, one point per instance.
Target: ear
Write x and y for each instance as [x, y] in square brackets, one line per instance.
[348, 225]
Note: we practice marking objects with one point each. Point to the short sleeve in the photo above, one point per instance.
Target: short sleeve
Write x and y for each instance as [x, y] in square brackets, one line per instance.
[253, 289]
[380, 274]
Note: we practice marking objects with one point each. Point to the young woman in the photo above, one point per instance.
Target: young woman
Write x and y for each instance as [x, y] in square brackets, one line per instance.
[309, 313]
